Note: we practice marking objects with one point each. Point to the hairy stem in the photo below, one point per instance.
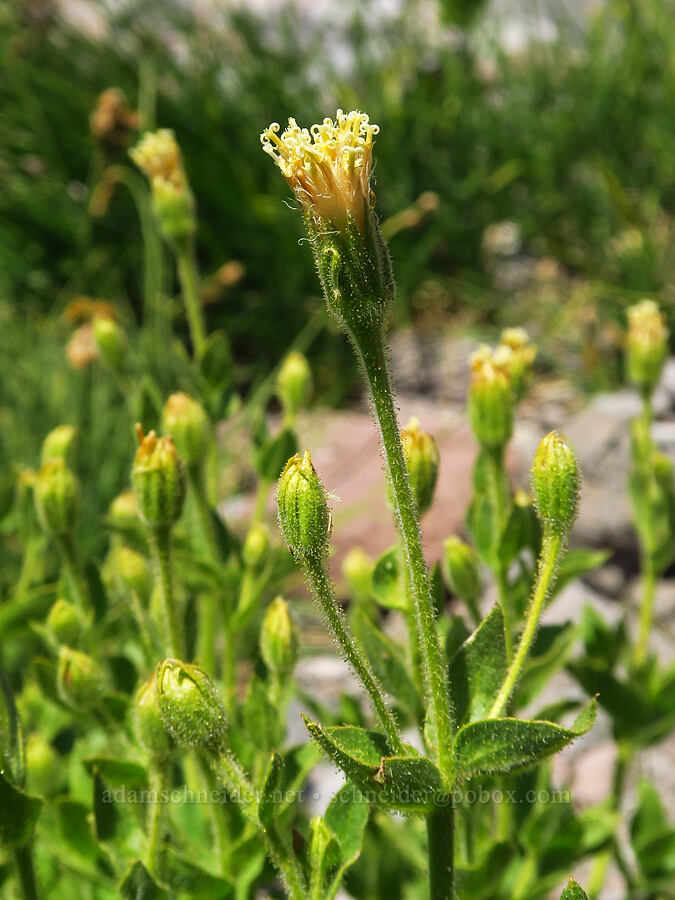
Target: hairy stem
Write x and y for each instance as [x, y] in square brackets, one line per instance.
[646, 610]
[322, 588]
[496, 474]
[23, 857]
[161, 550]
[187, 274]
[646, 536]
[548, 561]
[369, 344]
[160, 771]
[441, 848]
[208, 602]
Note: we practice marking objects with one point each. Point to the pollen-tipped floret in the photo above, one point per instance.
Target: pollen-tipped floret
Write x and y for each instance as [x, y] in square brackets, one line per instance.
[328, 166]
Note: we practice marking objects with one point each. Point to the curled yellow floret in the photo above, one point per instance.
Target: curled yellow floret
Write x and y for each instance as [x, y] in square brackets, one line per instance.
[328, 166]
[158, 155]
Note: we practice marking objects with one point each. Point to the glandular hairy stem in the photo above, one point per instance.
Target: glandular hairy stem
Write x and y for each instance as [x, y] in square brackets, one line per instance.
[548, 561]
[495, 463]
[161, 550]
[369, 344]
[322, 588]
[23, 857]
[160, 770]
[441, 849]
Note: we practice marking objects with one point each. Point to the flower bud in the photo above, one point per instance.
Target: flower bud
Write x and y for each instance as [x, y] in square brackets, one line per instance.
[65, 623]
[124, 508]
[490, 398]
[158, 155]
[148, 722]
[462, 568]
[44, 768]
[328, 167]
[80, 680]
[59, 442]
[646, 345]
[111, 342]
[294, 383]
[303, 508]
[134, 572]
[256, 546]
[190, 706]
[357, 570]
[279, 639]
[422, 460]
[556, 483]
[56, 497]
[187, 423]
[521, 360]
[158, 477]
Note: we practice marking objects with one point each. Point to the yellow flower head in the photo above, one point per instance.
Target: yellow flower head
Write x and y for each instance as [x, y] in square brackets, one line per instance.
[328, 166]
[158, 155]
[489, 366]
[647, 344]
[523, 354]
[646, 323]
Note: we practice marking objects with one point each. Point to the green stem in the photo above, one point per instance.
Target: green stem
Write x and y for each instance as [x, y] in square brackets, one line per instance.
[413, 638]
[370, 346]
[322, 588]
[159, 783]
[646, 535]
[646, 610]
[261, 496]
[227, 770]
[601, 863]
[161, 550]
[496, 474]
[441, 841]
[187, 274]
[548, 561]
[72, 569]
[221, 831]
[23, 857]
[208, 603]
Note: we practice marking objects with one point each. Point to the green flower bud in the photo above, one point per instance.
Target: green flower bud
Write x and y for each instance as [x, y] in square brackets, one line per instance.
[134, 572]
[646, 345]
[148, 722]
[256, 546]
[462, 568]
[522, 356]
[303, 508]
[56, 497]
[111, 342]
[158, 477]
[556, 483]
[187, 423]
[59, 442]
[328, 167]
[422, 460]
[357, 570]
[80, 680]
[65, 623]
[43, 765]
[190, 706]
[279, 639]
[124, 508]
[158, 155]
[294, 383]
[490, 397]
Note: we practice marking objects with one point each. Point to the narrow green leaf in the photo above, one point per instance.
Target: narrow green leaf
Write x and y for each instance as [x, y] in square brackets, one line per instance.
[573, 891]
[118, 772]
[270, 794]
[354, 750]
[387, 583]
[478, 669]
[19, 813]
[347, 816]
[500, 746]
[138, 884]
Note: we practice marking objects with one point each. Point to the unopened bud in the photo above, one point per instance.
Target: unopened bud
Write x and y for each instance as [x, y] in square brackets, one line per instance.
[256, 546]
[190, 706]
[490, 397]
[59, 442]
[422, 460]
[304, 515]
[124, 508]
[111, 342]
[43, 766]
[462, 568]
[133, 570]
[65, 623]
[556, 483]
[523, 354]
[187, 423]
[279, 639]
[357, 569]
[647, 344]
[294, 383]
[158, 155]
[149, 724]
[56, 497]
[158, 477]
[80, 680]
